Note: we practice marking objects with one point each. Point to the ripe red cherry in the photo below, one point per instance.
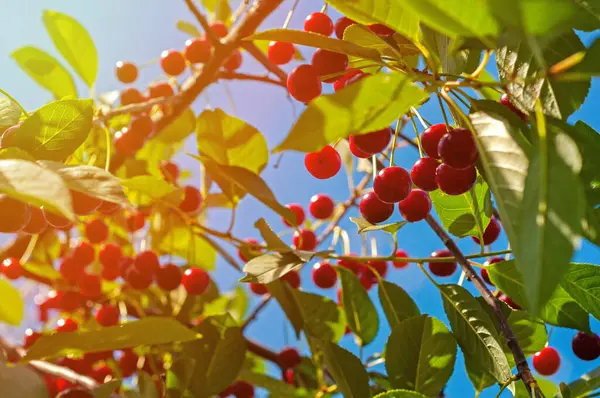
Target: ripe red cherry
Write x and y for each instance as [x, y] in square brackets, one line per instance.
[381, 30]
[321, 206]
[508, 301]
[341, 25]
[357, 152]
[84, 204]
[430, 139]
[197, 50]
[57, 221]
[90, 285]
[84, 253]
[457, 148]
[323, 164]
[586, 346]
[15, 215]
[299, 213]
[172, 62]
[126, 72]
[491, 233]
[281, 53]
[96, 231]
[546, 361]
[135, 221]
[392, 184]
[304, 83]
[324, 275]
[192, 199]
[168, 277]
[110, 274]
[234, 62]
[252, 246]
[289, 358]
[340, 83]
[107, 315]
[142, 126]
[241, 389]
[289, 377]
[258, 289]
[320, 23]
[195, 281]
[329, 63]
[423, 173]
[12, 268]
[353, 265]
[37, 222]
[373, 142]
[31, 337]
[445, 268]
[380, 266]
[160, 89]
[505, 100]
[374, 210]
[130, 96]
[137, 279]
[416, 206]
[292, 278]
[110, 255]
[455, 181]
[66, 325]
[400, 254]
[486, 277]
[70, 269]
[100, 373]
[169, 170]
[367, 281]
[147, 262]
[305, 239]
[128, 363]
[219, 28]
[127, 143]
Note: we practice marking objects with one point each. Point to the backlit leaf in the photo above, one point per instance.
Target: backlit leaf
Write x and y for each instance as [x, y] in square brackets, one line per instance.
[397, 304]
[12, 308]
[582, 282]
[360, 312]
[365, 226]
[347, 371]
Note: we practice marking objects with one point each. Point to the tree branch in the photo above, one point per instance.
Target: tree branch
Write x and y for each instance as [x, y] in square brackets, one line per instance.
[204, 23]
[263, 352]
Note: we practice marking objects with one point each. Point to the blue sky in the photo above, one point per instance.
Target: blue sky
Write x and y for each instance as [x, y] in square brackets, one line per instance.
[138, 30]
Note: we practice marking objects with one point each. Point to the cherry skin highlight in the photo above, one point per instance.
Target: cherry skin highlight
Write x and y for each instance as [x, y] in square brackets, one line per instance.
[455, 181]
[320, 23]
[195, 281]
[392, 184]
[547, 361]
[321, 206]
[324, 275]
[197, 50]
[423, 173]
[373, 142]
[323, 164]
[12, 268]
[416, 206]
[445, 268]
[491, 233]
[304, 83]
[374, 210]
[457, 148]
[430, 139]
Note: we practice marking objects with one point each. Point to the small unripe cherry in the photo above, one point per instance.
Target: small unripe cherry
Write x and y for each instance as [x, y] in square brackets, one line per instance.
[12, 268]
[547, 361]
[197, 50]
[289, 358]
[126, 72]
[323, 164]
[108, 315]
[392, 184]
[305, 239]
[455, 181]
[192, 199]
[172, 62]
[430, 139]
[329, 63]
[298, 212]
[416, 206]
[96, 231]
[491, 233]
[400, 254]
[195, 281]
[168, 277]
[444, 268]
[457, 148]
[281, 53]
[586, 346]
[324, 275]
[304, 83]
[423, 173]
[341, 25]
[374, 210]
[321, 206]
[319, 22]
[373, 142]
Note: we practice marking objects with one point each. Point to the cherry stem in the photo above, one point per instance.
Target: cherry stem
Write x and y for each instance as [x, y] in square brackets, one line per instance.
[418, 260]
[288, 19]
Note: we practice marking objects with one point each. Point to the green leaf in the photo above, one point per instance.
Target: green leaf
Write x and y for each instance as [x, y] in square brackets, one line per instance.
[587, 67]
[347, 371]
[548, 388]
[12, 309]
[74, 43]
[270, 267]
[273, 240]
[360, 312]
[440, 52]
[179, 376]
[488, 92]
[15, 153]
[105, 390]
[230, 141]
[132, 334]
[582, 282]
[464, 215]
[396, 303]
[46, 71]
[147, 386]
[475, 332]
[179, 129]
[479, 378]
[10, 113]
[420, 355]
[219, 10]
[188, 28]
[276, 387]
[227, 360]
[587, 383]
[400, 394]
[56, 130]
[368, 105]
[365, 226]
[144, 190]
[285, 296]
[530, 334]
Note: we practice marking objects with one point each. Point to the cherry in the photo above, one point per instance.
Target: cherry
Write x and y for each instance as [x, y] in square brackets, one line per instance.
[416, 206]
[373, 142]
[324, 275]
[258, 288]
[353, 265]
[110, 255]
[83, 253]
[30, 338]
[329, 63]
[374, 210]
[342, 81]
[298, 212]
[289, 358]
[197, 50]
[357, 152]
[321, 206]
[457, 148]
[253, 246]
[423, 173]
[305, 239]
[320, 23]
[110, 274]
[127, 143]
[15, 215]
[323, 164]
[586, 346]
[292, 278]
[37, 222]
[142, 126]
[192, 199]
[505, 100]
[392, 184]
[90, 285]
[400, 254]
[96, 231]
[107, 315]
[304, 83]
[234, 62]
[126, 72]
[84, 204]
[128, 363]
[12, 268]
[547, 361]
[381, 30]
[69, 301]
[195, 281]
[220, 29]
[242, 389]
[430, 139]
[168, 277]
[137, 279]
[109, 208]
[508, 301]
[130, 96]
[98, 356]
[455, 181]
[102, 373]
[289, 377]
[160, 90]
[445, 268]
[341, 25]
[281, 53]
[486, 277]
[172, 62]
[169, 170]
[146, 262]
[378, 265]
[491, 233]
[7, 138]
[366, 281]
[66, 325]
[135, 221]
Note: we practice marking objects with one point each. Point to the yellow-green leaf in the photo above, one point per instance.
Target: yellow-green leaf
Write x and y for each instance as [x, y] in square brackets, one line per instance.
[180, 129]
[12, 307]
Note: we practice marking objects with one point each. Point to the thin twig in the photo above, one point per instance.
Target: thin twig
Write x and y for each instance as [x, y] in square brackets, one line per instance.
[244, 76]
[214, 39]
[262, 58]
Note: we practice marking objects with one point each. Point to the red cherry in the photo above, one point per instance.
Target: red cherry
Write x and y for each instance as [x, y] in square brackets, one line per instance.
[107, 315]
[130, 96]
[66, 386]
[484, 272]
[341, 25]
[292, 278]
[289, 358]
[90, 285]
[253, 246]
[374, 210]
[392, 184]
[400, 254]
[96, 231]
[110, 255]
[110, 274]
[195, 281]
[342, 82]
[457, 148]
[380, 266]
[220, 29]
[486, 277]
[416, 206]
[357, 152]
[101, 374]
[381, 30]
[281, 53]
[324, 275]
[304, 83]
[66, 325]
[353, 265]
[192, 199]
[142, 126]
[69, 301]
[491, 233]
[37, 222]
[366, 281]
[455, 181]
[329, 63]
[321, 206]
[423, 174]
[258, 289]
[445, 268]
[323, 164]
[320, 23]
[508, 301]
[15, 215]
[12, 268]
[234, 62]
[374, 142]
[57, 221]
[172, 62]
[135, 221]
[127, 143]
[298, 211]
[126, 72]
[84, 253]
[84, 204]
[30, 338]
[305, 239]
[169, 170]
[168, 277]
[242, 389]
[547, 361]
[197, 50]
[430, 139]
[585, 346]
[289, 377]
[160, 90]
[128, 363]
[505, 100]
[147, 262]
[137, 279]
